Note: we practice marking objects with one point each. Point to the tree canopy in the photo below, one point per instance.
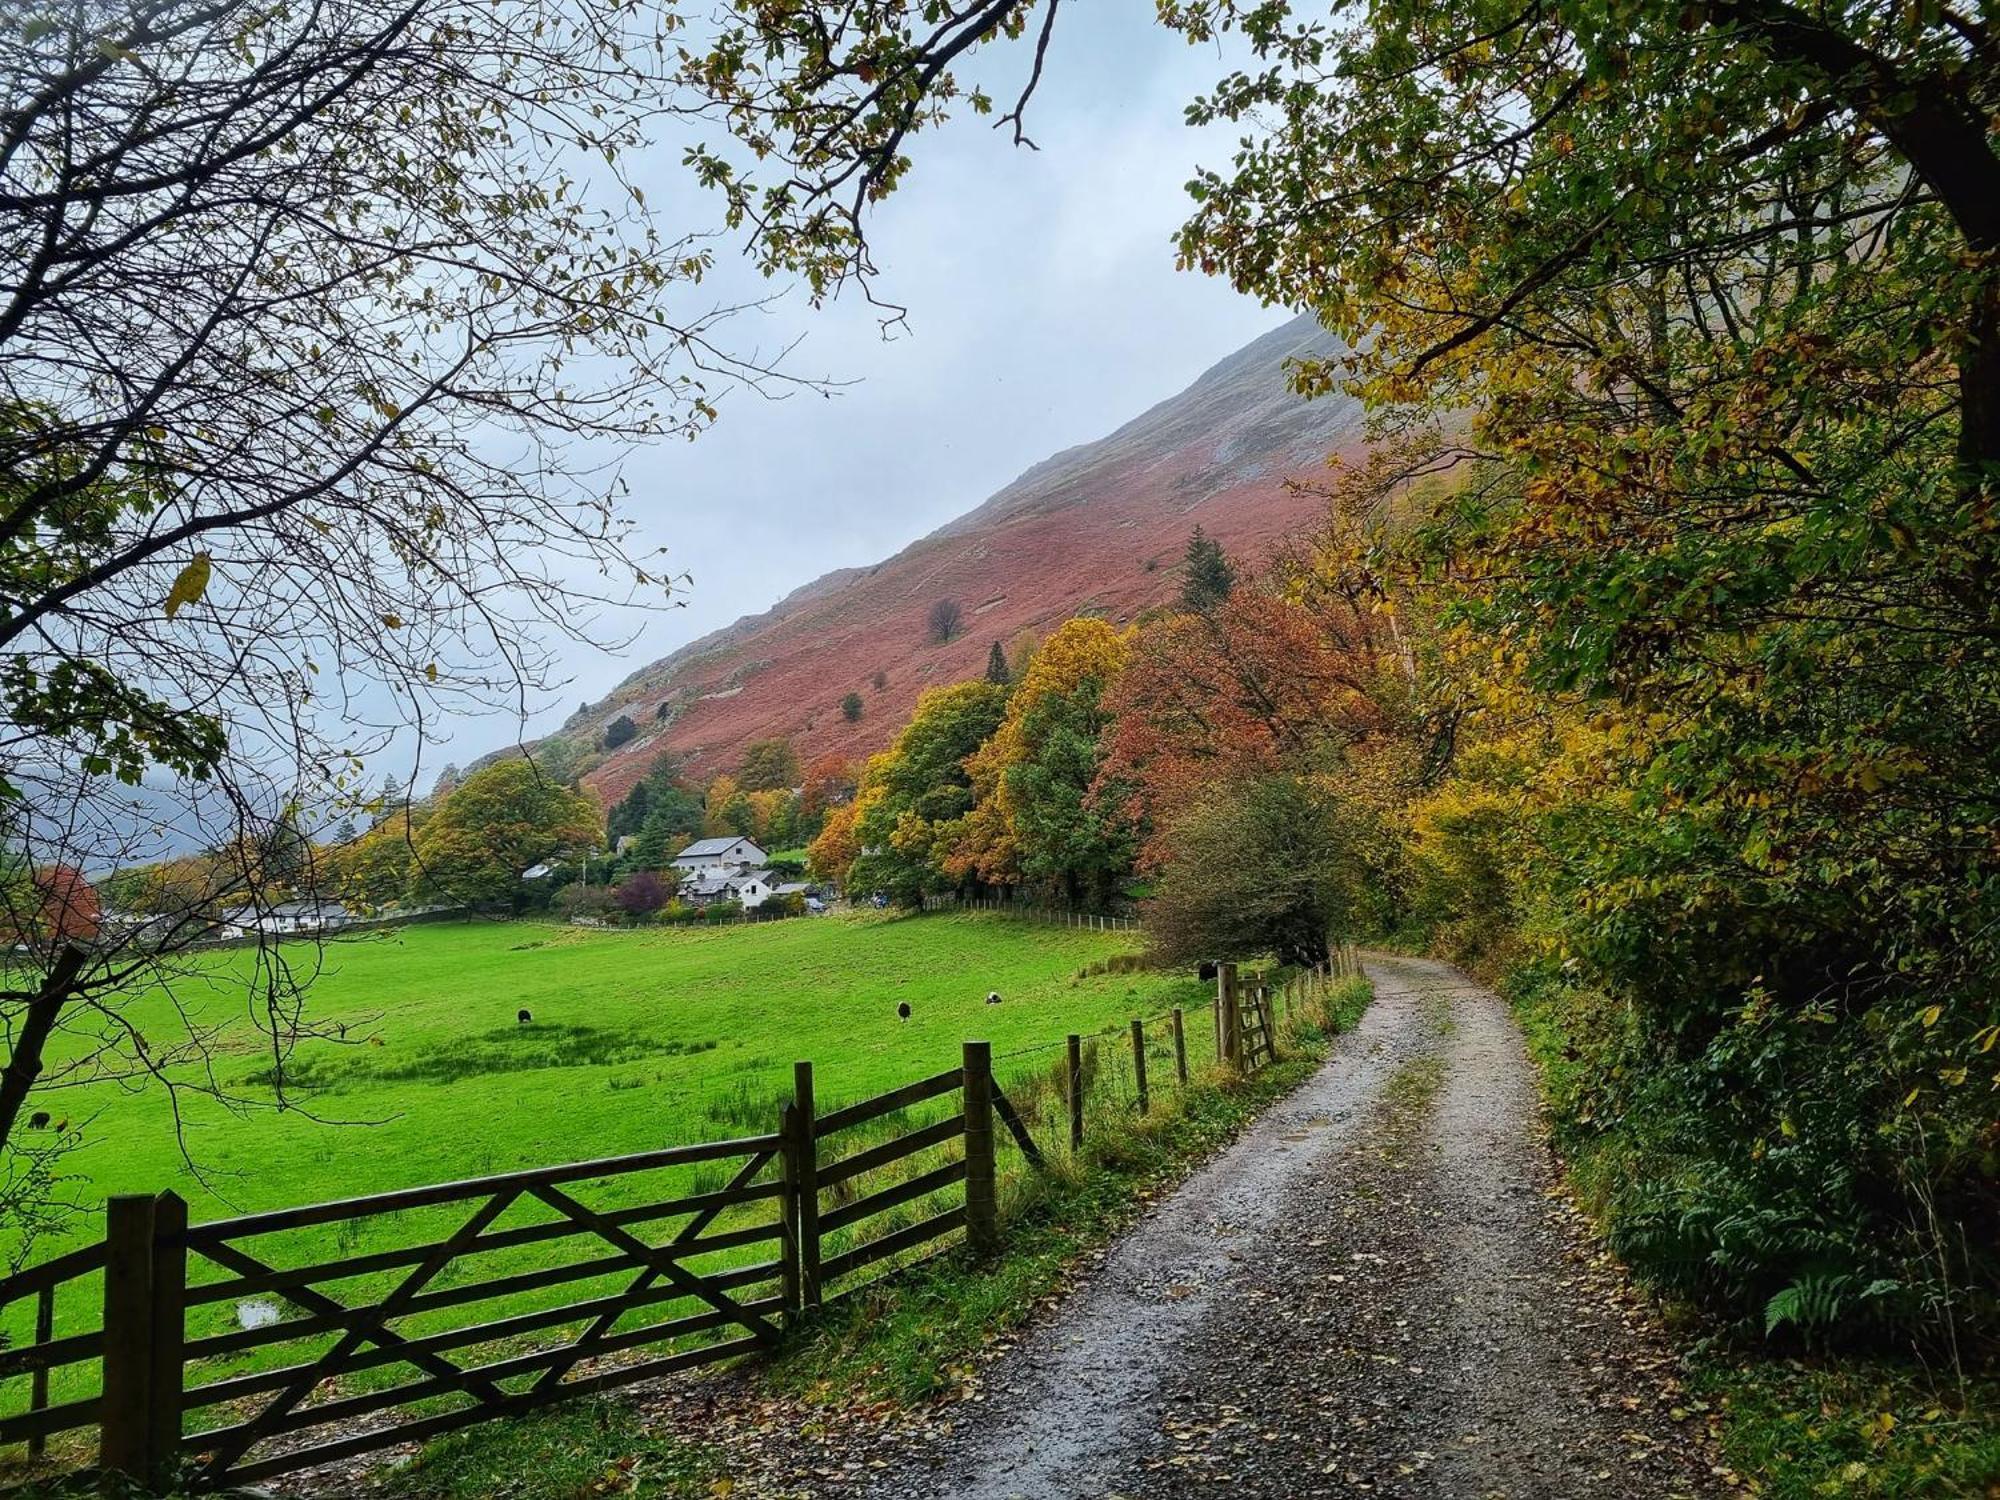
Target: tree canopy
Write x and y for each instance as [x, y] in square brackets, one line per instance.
[498, 822]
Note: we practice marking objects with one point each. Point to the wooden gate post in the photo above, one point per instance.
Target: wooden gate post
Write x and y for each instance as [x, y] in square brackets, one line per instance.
[145, 1275]
[1228, 1018]
[1180, 1048]
[806, 1170]
[38, 1381]
[170, 1222]
[1075, 1093]
[1139, 1061]
[982, 1206]
[788, 1209]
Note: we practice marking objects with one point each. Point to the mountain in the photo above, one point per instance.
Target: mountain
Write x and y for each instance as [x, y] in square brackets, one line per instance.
[1098, 528]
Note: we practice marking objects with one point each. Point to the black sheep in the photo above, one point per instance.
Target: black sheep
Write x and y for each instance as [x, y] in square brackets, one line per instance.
[39, 1120]
[525, 1017]
[903, 1010]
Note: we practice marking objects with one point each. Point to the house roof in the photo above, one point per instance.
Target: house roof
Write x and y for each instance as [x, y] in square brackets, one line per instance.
[702, 848]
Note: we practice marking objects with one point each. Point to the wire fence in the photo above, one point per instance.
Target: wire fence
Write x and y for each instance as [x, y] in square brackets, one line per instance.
[1054, 916]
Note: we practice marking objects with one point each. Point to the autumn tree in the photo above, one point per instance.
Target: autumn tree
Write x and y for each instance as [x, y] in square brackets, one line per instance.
[725, 809]
[831, 854]
[768, 765]
[500, 821]
[1036, 818]
[377, 869]
[828, 782]
[1254, 686]
[913, 795]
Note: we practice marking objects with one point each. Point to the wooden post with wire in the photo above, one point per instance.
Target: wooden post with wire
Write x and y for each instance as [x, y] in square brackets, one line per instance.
[982, 1204]
[805, 1170]
[1139, 1062]
[1180, 1048]
[1228, 1019]
[1075, 1092]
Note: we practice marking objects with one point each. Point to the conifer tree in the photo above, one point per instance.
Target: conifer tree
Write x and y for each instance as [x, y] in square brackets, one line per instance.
[996, 666]
[1206, 576]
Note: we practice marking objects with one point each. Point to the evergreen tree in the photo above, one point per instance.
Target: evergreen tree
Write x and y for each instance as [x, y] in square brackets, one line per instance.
[1206, 576]
[996, 666]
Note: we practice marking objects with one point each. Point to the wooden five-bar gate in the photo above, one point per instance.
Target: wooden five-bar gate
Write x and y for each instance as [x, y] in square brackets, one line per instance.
[696, 1276]
[690, 1272]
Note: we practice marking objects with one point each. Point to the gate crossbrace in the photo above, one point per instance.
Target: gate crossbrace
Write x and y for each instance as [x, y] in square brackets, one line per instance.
[587, 1340]
[231, 1258]
[369, 1320]
[657, 1259]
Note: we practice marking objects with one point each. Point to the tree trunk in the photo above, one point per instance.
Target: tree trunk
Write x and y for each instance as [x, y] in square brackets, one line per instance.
[44, 1006]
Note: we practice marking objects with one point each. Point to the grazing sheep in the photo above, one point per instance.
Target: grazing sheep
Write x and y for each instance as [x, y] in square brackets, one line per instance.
[903, 1010]
[1206, 971]
[39, 1120]
[525, 1017]
[992, 997]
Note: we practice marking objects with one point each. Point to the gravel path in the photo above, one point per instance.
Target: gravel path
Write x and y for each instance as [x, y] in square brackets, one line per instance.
[1375, 1291]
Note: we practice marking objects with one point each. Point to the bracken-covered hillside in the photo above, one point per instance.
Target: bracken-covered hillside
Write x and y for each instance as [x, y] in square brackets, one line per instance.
[1097, 528]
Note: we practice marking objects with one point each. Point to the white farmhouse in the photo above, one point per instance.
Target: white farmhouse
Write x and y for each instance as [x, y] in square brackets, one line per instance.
[717, 859]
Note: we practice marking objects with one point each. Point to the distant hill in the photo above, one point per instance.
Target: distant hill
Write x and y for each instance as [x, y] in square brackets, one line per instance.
[1098, 528]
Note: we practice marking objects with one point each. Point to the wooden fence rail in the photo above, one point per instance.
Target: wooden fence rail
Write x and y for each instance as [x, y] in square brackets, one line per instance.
[662, 1260]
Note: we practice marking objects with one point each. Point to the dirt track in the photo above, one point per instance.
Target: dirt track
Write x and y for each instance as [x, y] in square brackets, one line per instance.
[1372, 1292]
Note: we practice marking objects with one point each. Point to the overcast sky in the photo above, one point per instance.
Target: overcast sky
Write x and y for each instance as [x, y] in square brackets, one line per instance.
[1044, 310]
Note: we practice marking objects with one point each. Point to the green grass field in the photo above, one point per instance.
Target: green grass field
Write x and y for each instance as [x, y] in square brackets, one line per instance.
[639, 1039]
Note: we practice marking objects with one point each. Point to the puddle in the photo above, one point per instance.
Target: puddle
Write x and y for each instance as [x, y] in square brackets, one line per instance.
[256, 1313]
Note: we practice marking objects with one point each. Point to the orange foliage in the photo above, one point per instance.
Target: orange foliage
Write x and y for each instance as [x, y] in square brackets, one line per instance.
[1237, 691]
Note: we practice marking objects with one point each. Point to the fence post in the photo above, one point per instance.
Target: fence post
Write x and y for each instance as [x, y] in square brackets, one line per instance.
[806, 1168]
[38, 1383]
[1139, 1062]
[1075, 1093]
[982, 1208]
[170, 1222]
[1180, 1049]
[1228, 1018]
[126, 1411]
[1267, 1012]
[788, 1208]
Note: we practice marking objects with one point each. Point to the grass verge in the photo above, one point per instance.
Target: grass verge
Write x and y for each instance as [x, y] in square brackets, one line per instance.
[1789, 1429]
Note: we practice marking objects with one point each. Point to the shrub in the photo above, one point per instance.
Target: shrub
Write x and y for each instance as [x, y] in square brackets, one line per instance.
[722, 911]
[850, 708]
[642, 894]
[618, 732]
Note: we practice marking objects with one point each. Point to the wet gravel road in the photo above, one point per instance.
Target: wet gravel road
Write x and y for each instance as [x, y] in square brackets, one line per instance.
[1374, 1292]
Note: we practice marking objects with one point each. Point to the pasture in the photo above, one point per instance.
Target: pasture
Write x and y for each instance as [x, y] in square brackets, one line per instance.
[639, 1039]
